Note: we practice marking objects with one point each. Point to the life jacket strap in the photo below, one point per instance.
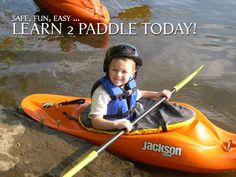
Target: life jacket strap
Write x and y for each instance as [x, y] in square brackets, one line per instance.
[126, 94]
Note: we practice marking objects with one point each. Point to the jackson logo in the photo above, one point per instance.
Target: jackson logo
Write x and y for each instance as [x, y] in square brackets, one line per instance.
[165, 150]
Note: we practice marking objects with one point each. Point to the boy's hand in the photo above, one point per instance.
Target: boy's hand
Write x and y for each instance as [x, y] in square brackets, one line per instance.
[165, 93]
[124, 124]
[156, 95]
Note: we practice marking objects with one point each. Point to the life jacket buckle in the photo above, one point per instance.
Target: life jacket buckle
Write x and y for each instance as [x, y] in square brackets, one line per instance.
[127, 93]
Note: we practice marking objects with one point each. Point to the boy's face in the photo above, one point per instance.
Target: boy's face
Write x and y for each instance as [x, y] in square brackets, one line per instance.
[121, 70]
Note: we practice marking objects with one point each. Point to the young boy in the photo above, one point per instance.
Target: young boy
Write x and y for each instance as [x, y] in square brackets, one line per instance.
[114, 96]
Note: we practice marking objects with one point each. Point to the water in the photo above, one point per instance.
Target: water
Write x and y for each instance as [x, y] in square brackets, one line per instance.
[69, 65]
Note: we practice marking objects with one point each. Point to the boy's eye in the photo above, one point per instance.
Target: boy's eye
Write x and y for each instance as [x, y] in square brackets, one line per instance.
[116, 71]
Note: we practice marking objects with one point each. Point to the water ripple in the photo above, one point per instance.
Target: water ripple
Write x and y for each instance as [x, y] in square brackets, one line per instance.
[216, 101]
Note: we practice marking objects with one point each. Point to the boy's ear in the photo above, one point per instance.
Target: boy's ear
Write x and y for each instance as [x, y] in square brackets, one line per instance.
[134, 71]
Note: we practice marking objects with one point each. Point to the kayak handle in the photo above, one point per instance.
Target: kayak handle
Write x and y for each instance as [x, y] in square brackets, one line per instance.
[230, 144]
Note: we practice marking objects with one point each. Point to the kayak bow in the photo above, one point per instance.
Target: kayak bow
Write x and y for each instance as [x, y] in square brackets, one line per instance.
[80, 11]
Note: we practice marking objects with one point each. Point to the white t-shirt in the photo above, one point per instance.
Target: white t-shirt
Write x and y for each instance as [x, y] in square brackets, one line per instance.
[102, 98]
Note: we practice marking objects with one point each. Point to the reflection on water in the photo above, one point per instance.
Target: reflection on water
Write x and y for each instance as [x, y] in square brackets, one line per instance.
[69, 43]
[141, 14]
[64, 64]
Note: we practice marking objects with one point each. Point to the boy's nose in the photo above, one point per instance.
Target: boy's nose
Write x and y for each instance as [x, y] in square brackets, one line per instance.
[119, 73]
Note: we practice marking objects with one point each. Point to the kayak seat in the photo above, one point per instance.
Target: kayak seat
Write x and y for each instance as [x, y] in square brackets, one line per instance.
[166, 117]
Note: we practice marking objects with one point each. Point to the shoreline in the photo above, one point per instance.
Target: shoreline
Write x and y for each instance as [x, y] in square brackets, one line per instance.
[30, 149]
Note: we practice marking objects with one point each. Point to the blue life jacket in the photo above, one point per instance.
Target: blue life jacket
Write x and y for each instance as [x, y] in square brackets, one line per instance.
[123, 100]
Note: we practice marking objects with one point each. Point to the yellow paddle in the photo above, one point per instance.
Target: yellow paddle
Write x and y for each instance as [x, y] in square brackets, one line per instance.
[91, 156]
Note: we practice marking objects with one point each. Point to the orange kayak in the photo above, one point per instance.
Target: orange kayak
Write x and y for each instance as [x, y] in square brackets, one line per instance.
[85, 11]
[197, 147]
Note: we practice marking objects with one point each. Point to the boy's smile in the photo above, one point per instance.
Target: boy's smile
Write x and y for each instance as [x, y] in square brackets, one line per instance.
[121, 70]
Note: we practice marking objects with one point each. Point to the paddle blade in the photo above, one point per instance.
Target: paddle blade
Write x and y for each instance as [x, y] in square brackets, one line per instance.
[187, 79]
[90, 157]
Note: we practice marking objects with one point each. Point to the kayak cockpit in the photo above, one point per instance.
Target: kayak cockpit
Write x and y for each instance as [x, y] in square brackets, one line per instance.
[166, 117]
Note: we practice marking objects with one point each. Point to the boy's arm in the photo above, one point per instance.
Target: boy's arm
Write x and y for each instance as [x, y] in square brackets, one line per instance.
[99, 122]
[155, 95]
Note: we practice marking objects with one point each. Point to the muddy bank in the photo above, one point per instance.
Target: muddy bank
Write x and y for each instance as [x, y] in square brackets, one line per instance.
[29, 149]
